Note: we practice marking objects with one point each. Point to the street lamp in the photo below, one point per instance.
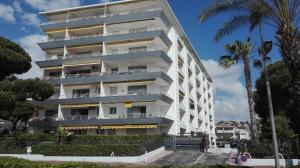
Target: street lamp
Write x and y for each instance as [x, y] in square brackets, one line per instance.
[265, 49]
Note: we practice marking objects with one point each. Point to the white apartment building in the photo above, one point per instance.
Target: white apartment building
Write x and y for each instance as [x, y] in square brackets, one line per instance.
[124, 67]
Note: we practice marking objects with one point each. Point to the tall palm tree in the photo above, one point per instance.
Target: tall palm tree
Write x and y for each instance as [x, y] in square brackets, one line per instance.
[281, 14]
[241, 51]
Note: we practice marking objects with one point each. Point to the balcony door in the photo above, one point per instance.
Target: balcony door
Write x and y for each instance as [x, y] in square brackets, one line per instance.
[136, 112]
[79, 114]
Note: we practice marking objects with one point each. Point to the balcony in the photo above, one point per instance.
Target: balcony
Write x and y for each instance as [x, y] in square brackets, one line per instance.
[109, 38]
[95, 99]
[124, 16]
[97, 123]
[120, 77]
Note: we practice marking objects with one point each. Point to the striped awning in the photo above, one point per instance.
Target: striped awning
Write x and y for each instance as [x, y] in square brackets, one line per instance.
[128, 126]
[66, 106]
[53, 68]
[80, 127]
[82, 64]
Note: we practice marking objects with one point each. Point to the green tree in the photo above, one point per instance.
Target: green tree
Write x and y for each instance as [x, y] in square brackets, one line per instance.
[13, 59]
[14, 105]
[287, 140]
[280, 82]
[282, 14]
[240, 51]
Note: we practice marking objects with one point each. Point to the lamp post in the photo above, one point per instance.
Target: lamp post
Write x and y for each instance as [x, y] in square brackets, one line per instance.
[264, 50]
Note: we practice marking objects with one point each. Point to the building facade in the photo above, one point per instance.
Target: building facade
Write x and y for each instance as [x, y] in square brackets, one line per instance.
[123, 67]
[232, 130]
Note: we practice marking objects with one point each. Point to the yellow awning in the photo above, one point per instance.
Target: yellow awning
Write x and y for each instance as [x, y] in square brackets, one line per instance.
[128, 126]
[82, 64]
[79, 106]
[53, 68]
[80, 127]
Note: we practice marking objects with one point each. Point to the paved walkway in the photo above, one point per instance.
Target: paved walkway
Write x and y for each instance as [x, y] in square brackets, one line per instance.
[179, 158]
[213, 159]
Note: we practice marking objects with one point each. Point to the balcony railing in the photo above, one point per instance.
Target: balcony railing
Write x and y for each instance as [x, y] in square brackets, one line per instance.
[81, 75]
[137, 92]
[149, 49]
[80, 117]
[87, 95]
[81, 56]
[99, 16]
[135, 115]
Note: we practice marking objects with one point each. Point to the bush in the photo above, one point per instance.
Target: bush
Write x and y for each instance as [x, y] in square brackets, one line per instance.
[11, 162]
[147, 142]
[87, 150]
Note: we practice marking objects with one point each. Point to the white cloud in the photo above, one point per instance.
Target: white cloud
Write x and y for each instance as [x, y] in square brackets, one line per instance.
[30, 19]
[45, 5]
[7, 13]
[17, 6]
[29, 43]
[231, 101]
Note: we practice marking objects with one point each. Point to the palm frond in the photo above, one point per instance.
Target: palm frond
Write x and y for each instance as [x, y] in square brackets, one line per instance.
[231, 26]
[220, 6]
[226, 61]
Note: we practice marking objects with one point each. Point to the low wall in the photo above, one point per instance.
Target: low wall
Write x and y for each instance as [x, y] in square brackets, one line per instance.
[270, 162]
[101, 159]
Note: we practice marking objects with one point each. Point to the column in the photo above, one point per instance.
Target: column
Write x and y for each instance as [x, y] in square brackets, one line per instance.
[60, 115]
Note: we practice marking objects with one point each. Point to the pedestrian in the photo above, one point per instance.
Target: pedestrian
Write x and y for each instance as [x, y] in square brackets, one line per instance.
[206, 144]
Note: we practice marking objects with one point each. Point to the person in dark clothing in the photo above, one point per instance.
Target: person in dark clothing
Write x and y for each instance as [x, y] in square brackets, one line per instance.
[205, 144]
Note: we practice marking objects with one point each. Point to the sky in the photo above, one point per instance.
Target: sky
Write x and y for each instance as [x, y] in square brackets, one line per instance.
[19, 21]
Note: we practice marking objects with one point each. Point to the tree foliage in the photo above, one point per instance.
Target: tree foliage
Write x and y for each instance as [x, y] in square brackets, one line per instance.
[13, 59]
[280, 83]
[14, 94]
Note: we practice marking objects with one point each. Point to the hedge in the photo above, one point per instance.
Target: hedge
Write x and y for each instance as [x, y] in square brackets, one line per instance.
[147, 142]
[87, 150]
[11, 162]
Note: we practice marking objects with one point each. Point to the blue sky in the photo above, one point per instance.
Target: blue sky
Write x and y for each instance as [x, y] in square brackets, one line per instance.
[19, 21]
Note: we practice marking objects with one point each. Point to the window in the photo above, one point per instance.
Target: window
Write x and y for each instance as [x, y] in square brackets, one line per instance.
[112, 110]
[81, 93]
[54, 74]
[79, 114]
[81, 72]
[180, 46]
[113, 90]
[136, 112]
[114, 70]
[138, 30]
[142, 89]
[137, 49]
[137, 69]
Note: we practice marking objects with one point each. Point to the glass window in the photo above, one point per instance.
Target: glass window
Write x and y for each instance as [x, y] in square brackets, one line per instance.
[81, 93]
[114, 70]
[112, 110]
[113, 90]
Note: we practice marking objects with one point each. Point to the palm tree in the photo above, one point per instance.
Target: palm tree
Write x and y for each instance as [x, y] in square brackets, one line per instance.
[241, 51]
[281, 14]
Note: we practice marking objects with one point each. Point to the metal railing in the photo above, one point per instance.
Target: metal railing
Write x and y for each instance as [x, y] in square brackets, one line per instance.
[93, 74]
